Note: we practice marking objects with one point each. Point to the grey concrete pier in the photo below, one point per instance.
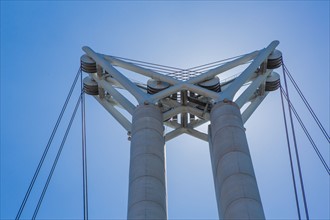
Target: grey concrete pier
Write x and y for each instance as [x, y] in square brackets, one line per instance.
[235, 183]
[147, 181]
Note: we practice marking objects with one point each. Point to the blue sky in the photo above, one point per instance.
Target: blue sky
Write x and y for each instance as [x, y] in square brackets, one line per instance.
[40, 54]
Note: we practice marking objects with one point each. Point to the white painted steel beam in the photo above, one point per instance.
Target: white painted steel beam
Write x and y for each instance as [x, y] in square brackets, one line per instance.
[175, 133]
[126, 83]
[199, 122]
[115, 113]
[112, 101]
[197, 112]
[248, 92]
[173, 124]
[181, 130]
[122, 100]
[183, 109]
[197, 134]
[175, 111]
[230, 92]
[235, 183]
[183, 86]
[252, 107]
[201, 91]
[165, 93]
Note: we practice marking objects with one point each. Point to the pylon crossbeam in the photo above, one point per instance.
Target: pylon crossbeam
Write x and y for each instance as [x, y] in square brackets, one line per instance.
[111, 79]
[199, 122]
[183, 109]
[197, 134]
[173, 124]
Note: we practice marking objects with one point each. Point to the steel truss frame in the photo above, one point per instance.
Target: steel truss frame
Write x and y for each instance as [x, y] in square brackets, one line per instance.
[110, 81]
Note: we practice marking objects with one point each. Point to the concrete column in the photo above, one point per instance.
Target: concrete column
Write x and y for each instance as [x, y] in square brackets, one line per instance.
[235, 183]
[147, 181]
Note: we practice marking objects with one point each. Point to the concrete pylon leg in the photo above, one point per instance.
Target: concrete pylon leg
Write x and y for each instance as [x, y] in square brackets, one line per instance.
[235, 183]
[147, 181]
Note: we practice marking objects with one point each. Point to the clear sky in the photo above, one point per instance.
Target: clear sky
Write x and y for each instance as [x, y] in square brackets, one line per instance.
[40, 54]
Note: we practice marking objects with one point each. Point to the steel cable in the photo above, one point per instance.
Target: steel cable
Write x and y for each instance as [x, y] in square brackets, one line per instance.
[56, 160]
[307, 133]
[174, 70]
[306, 103]
[27, 194]
[212, 64]
[296, 148]
[84, 151]
[290, 157]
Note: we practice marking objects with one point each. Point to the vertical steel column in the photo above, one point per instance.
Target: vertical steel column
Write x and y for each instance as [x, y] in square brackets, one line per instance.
[234, 179]
[184, 116]
[147, 181]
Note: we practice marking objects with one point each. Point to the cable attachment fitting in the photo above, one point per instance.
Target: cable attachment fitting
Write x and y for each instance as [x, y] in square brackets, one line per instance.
[154, 86]
[87, 64]
[90, 86]
[274, 60]
[211, 84]
[272, 82]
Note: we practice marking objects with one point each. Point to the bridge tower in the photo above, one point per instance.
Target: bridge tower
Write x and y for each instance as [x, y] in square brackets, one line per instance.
[183, 101]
